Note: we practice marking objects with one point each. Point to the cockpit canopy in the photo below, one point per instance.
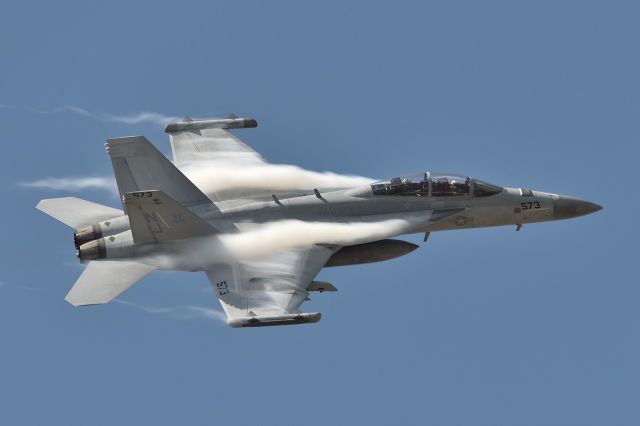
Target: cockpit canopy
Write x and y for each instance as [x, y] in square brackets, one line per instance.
[434, 184]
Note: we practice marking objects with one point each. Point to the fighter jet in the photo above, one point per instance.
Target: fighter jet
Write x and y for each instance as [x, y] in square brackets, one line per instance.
[262, 232]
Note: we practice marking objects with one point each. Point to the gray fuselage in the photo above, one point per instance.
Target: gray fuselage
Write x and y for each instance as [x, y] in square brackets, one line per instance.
[420, 213]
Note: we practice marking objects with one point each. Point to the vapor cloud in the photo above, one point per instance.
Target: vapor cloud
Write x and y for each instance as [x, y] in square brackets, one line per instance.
[228, 169]
[285, 235]
[133, 118]
[196, 312]
[186, 312]
[145, 309]
[227, 180]
[224, 174]
[74, 184]
[265, 242]
[271, 256]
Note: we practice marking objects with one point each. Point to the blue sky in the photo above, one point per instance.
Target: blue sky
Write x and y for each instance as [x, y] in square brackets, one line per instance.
[482, 327]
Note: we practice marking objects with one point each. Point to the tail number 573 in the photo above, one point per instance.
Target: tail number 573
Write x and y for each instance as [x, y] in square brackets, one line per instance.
[530, 205]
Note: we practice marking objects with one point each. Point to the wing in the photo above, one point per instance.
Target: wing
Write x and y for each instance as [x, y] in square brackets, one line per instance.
[269, 291]
[211, 146]
[226, 169]
[207, 155]
[102, 281]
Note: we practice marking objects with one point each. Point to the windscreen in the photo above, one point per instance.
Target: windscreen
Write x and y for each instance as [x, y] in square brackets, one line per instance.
[484, 189]
[442, 185]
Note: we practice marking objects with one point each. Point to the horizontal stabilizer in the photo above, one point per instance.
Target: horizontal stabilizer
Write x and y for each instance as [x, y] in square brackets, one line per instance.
[290, 319]
[103, 281]
[77, 213]
[155, 217]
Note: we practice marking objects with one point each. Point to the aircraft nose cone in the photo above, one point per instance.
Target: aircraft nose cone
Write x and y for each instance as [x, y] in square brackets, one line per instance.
[567, 207]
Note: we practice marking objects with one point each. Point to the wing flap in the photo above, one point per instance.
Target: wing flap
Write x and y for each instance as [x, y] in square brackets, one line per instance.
[103, 281]
[155, 217]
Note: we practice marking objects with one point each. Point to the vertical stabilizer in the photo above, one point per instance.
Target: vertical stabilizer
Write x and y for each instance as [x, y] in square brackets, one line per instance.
[139, 166]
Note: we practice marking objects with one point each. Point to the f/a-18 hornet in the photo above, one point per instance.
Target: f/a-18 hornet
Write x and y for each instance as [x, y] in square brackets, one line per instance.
[262, 232]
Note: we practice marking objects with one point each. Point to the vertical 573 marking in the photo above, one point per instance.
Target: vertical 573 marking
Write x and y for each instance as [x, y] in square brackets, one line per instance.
[222, 288]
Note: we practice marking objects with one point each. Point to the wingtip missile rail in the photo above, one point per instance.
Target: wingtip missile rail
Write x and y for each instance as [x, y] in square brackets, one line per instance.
[266, 321]
[222, 123]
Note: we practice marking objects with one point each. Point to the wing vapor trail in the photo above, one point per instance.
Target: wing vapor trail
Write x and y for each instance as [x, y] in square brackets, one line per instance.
[236, 173]
[290, 234]
[133, 118]
[185, 312]
[265, 242]
[78, 183]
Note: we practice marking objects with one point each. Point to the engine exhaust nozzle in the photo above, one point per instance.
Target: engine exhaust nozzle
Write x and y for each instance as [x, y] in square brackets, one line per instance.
[92, 250]
[87, 234]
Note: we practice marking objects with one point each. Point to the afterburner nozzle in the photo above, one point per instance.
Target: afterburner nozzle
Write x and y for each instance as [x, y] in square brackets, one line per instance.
[92, 250]
[85, 235]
